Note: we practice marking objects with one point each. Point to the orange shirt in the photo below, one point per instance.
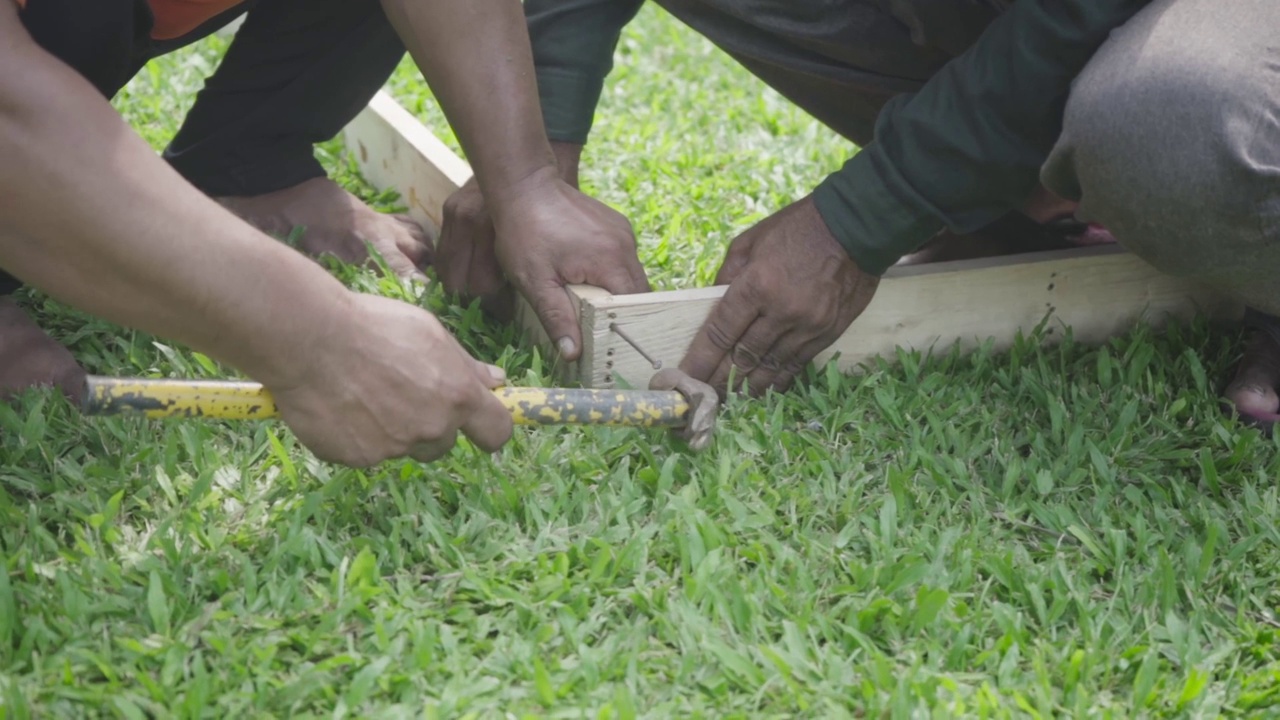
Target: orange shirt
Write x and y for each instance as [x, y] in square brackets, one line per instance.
[175, 18]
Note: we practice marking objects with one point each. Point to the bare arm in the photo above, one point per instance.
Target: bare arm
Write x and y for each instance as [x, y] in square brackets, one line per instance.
[91, 215]
[544, 234]
[477, 59]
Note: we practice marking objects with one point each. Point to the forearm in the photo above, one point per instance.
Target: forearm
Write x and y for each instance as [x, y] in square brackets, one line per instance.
[92, 216]
[477, 60]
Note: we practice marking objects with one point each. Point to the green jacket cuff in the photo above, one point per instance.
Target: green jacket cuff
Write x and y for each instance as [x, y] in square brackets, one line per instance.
[568, 103]
[873, 212]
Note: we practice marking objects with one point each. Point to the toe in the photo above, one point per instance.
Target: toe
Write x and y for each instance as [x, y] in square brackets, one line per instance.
[31, 359]
[1253, 390]
[416, 242]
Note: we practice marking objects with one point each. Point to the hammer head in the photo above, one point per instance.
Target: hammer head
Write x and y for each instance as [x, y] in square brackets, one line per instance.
[703, 401]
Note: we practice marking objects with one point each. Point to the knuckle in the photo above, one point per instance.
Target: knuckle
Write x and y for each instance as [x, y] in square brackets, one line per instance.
[746, 357]
[793, 366]
[718, 337]
[552, 312]
[463, 205]
[794, 312]
[757, 287]
[456, 396]
[452, 204]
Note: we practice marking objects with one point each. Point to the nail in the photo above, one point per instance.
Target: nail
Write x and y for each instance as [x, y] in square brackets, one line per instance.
[497, 373]
[566, 346]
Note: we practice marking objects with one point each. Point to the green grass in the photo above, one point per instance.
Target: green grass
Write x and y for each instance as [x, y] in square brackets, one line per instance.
[1045, 532]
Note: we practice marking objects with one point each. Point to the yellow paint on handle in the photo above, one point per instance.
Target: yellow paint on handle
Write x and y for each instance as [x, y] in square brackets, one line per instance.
[234, 400]
[160, 398]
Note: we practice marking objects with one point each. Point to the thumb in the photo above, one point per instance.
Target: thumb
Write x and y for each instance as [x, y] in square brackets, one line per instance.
[553, 305]
[489, 423]
[491, 376]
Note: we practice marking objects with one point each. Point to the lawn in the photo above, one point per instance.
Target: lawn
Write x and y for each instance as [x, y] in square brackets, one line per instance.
[1067, 531]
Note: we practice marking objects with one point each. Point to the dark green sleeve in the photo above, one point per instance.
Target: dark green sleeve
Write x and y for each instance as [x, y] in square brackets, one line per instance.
[573, 44]
[967, 148]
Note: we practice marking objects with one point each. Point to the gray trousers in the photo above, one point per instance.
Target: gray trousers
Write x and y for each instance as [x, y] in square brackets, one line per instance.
[1171, 137]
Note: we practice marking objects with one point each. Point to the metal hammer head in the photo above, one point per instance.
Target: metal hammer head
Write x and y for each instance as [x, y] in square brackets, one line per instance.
[703, 401]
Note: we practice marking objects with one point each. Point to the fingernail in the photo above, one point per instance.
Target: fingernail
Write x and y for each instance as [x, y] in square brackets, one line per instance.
[497, 373]
[566, 346]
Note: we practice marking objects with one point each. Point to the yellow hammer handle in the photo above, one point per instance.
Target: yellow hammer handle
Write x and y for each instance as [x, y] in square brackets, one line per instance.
[235, 400]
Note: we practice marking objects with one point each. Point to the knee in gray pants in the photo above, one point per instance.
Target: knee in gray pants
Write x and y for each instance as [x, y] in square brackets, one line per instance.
[1171, 138]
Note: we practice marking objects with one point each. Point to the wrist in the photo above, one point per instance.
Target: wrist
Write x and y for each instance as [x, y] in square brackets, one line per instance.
[500, 196]
[509, 200]
[568, 157]
[279, 348]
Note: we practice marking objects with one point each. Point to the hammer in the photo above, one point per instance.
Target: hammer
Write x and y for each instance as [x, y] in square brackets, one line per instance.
[673, 400]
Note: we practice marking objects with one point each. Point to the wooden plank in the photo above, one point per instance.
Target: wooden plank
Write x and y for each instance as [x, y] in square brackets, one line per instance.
[1098, 291]
[394, 150]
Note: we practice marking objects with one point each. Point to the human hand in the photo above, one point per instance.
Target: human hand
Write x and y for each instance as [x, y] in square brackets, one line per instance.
[549, 235]
[387, 380]
[543, 235]
[465, 260]
[793, 290]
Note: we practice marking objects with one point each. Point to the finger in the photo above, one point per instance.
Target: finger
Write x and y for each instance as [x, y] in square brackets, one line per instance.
[793, 366]
[553, 305]
[466, 258]
[500, 305]
[622, 279]
[402, 266]
[426, 452]
[453, 253]
[491, 376]
[488, 422]
[745, 356]
[484, 274]
[638, 279]
[728, 320]
[418, 245]
[779, 364]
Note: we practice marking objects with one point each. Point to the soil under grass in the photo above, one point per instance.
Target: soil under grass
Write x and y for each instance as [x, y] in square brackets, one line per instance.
[1064, 531]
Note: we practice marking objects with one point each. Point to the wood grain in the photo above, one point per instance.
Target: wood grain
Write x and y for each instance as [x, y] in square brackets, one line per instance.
[1098, 292]
[393, 149]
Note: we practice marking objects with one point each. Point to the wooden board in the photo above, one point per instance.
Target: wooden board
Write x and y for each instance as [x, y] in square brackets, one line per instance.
[393, 149]
[1098, 291]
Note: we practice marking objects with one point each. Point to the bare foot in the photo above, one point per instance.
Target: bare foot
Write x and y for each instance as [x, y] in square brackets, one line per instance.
[30, 359]
[335, 222]
[1253, 391]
